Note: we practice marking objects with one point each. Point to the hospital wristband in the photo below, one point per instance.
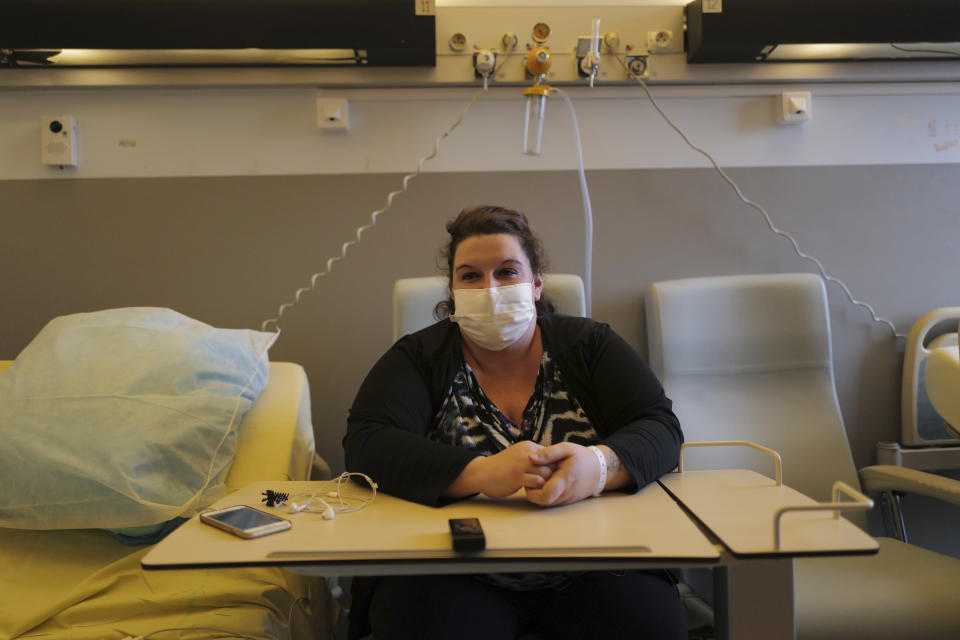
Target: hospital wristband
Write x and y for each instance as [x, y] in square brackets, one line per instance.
[602, 459]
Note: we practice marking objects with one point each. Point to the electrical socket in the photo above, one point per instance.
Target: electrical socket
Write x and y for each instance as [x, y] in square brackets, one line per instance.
[660, 41]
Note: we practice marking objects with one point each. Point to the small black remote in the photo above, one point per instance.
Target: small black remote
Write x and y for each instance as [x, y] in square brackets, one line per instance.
[467, 535]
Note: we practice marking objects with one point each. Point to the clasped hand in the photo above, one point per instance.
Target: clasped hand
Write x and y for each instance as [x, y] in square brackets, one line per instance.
[554, 475]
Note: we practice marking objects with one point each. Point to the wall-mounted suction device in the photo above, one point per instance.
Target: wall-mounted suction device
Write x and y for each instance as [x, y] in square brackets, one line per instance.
[588, 54]
[535, 99]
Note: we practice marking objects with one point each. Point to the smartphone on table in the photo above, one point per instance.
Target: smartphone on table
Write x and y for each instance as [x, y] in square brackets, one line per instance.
[245, 522]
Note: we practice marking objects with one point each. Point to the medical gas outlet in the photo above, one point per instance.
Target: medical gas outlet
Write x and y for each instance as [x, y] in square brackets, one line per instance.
[588, 54]
[588, 60]
[484, 62]
[538, 63]
[637, 65]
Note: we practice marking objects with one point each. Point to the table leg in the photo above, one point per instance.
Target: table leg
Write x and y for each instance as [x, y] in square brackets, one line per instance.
[754, 600]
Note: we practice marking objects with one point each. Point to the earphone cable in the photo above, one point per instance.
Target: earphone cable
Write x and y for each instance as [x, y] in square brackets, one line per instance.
[305, 502]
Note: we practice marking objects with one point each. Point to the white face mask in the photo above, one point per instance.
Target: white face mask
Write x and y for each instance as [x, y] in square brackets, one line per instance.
[495, 318]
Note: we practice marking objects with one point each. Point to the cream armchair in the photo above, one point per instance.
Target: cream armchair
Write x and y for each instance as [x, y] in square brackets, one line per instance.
[750, 358]
[943, 385]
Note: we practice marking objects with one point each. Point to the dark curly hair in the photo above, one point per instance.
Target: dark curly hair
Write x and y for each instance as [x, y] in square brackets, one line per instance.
[488, 220]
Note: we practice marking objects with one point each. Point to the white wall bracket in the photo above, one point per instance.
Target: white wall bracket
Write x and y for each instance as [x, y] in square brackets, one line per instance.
[333, 113]
[795, 107]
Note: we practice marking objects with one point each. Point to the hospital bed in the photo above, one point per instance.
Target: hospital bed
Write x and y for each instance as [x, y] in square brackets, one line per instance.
[78, 584]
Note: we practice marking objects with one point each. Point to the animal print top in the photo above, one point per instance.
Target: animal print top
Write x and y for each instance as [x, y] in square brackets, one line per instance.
[470, 420]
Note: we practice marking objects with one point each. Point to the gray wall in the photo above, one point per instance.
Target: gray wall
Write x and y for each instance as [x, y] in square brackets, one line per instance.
[228, 251]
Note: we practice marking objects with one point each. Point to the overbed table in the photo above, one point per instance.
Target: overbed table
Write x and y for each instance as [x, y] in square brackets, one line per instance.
[721, 519]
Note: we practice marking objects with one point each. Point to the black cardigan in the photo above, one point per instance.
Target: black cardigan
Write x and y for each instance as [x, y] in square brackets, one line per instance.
[397, 402]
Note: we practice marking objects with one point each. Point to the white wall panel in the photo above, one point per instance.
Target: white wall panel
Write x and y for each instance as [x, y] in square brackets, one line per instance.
[169, 132]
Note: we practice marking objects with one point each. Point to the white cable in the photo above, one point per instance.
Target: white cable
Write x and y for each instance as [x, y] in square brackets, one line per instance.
[373, 221]
[306, 502]
[766, 216]
[225, 632]
[935, 51]
[293, 607]
[587, 209]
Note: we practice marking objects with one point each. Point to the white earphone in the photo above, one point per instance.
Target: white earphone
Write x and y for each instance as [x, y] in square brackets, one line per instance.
[316, 504]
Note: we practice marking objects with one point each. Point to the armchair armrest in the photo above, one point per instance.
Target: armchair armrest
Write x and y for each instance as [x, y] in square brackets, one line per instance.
[887, 477]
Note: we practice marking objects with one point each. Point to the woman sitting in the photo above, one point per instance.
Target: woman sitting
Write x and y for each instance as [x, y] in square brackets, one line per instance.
[501, 396]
